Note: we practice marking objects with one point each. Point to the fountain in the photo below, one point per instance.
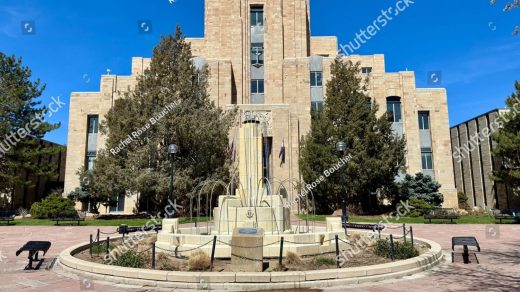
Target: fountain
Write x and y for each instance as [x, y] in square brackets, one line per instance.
[250, 203]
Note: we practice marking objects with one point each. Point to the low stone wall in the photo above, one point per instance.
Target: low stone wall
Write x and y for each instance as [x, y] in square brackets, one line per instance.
[250, 281]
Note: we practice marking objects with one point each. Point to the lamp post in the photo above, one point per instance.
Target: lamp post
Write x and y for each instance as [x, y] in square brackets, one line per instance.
[340, 147]
[172, 150]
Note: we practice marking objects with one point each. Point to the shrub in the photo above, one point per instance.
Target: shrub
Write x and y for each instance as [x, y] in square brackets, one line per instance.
[420, 207]
[53, 206]
[463, 201]
[402, 250]
[199, 261]
[322, 261]
[292, 258]
[165, 263]
[130, 259]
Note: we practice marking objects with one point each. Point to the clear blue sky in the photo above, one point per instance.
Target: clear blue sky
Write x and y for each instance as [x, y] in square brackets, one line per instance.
[74, 42]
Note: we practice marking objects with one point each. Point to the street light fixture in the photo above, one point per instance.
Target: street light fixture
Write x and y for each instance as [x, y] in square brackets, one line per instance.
[341, 147]
[172, 150]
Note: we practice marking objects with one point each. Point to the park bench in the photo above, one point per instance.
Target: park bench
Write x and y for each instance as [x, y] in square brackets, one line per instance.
[124, 229]
[374, 227]
[34, 247]
[507, 215]
[464, 241]
[68, 219]
[6, 217]
[442, 214]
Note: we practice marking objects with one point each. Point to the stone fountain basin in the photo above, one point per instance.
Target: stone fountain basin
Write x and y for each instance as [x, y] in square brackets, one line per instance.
[241, 281]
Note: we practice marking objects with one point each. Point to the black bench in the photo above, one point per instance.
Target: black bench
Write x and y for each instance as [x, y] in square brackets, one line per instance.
[124, 230]
[442, 214]
[33, 247]
[73, 220]
[501, 217]
[6, 217]
[374, 227]
[464, 241]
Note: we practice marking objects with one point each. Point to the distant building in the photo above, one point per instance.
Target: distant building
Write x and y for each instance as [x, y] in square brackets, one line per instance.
[263, 59]
[25, 196]
[473, 163]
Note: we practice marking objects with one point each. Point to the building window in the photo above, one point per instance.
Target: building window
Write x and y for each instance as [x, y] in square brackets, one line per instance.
[426, 158]
[317, 106]
[257, 16]
[366, 70]
[257, 86]
[393, 105]
[93, 124]
[368, 102]
[257, 54]
[316, 79]
[91, 156]
[424, 120]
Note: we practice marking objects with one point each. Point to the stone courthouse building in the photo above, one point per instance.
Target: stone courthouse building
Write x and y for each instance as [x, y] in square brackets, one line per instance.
[263, 59]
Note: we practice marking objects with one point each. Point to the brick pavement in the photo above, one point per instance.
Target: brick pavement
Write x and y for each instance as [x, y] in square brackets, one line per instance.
[499, 269]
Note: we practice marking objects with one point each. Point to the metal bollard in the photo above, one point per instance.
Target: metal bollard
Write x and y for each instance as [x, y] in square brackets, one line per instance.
[392, 247]
[379, 230]
[337, 251]
[213, 251]
[404, 232]
[281, 252]
[153, 255]
[97, 236]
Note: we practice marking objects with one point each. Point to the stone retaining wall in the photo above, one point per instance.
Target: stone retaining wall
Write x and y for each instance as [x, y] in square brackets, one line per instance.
[250, 281]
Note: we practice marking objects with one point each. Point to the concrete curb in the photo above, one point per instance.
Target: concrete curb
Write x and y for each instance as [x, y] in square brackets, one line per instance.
[250, 281]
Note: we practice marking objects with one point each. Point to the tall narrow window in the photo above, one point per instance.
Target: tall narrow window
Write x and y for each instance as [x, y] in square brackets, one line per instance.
[92, 133]
[257, 16]
[426, 158]
[93, 124]
[424, 120]
[257, 86]
[257, 54]
[316, 79]
[393, 105]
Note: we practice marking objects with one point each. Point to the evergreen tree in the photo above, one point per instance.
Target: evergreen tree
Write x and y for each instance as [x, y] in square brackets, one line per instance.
[421, 187]
[171, 104]
[22, 125]
[507, 147]
[377, 154]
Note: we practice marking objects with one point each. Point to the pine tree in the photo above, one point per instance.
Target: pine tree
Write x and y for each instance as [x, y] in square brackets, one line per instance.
[22, 125]
[377, 154]
[172, 102]
[508, 144]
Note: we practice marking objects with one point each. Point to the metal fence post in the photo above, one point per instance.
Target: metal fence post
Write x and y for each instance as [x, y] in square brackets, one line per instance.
[392, 247]
[337, 251]
[90, 246]
[281, 252]
[379, 230]
[97, 236]
[213, 251]
[404, 232]
[153, 255]
[411, 234]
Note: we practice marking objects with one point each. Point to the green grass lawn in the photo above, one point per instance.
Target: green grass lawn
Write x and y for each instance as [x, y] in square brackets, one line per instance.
[469, 219]
[100, 222]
